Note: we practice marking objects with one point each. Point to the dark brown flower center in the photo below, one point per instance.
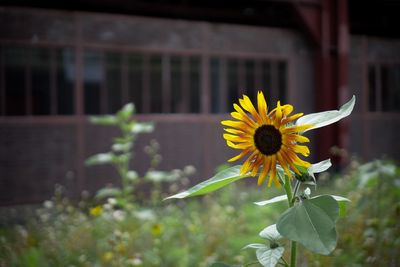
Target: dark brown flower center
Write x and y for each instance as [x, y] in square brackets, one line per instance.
[268, 139]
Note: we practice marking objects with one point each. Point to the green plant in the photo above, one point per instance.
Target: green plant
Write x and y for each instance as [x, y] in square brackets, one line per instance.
[121, 155]
[374, 213]
[273, 140]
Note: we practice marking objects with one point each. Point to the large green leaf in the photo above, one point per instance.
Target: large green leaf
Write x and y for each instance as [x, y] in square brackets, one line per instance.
[342, 201]
[325, 118]
[312, 223]
[269, 257]
[221, 179]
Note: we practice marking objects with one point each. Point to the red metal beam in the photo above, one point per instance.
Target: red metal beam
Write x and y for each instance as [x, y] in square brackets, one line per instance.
[326, 25]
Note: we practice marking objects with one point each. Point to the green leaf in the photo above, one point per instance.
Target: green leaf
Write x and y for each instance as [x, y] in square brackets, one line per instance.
[126, 112]
[161, 176]
[308, 175]
[101, 158]
[272, 200]
[271, 233]
[312, 223]
[104, 120]
[320, 167]
[132, 175]
[142, 127]
[121, 147]
[255, 246]
[269, 257]
[221, 179]
[325, 118]
[107, 192]
[342, 201]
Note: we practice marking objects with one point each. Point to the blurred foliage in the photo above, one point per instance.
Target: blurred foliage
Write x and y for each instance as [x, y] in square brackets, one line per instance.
[200, 231]
[370, 231]
[197, 232]
[121, 154]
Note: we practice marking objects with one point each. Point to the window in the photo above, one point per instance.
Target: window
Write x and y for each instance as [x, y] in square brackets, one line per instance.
[41, 81]
[36, 81]
[384, 87]
[232, 77]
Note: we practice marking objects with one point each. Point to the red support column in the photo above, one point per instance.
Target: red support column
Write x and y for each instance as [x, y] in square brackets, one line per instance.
[326, 25]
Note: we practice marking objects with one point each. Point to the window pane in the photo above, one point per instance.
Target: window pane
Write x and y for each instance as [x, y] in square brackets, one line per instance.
[155, 84]
[113, 82]
[266, 80]
[249, 83]
[390, 76]
[233, 82]
[92, 81]
[15, 80]
[282, 81]
[65, 81]
[40, 66]
[372, 88]
[135, 75]
[194, 66]
[176, 88]
[215, 90]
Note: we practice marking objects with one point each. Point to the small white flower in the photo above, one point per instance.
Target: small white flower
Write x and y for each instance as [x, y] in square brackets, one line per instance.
[48, 204]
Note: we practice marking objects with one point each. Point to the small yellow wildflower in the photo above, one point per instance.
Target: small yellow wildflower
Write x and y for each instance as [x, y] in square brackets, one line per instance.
[96, 211]
[156, 230]
[107, 256]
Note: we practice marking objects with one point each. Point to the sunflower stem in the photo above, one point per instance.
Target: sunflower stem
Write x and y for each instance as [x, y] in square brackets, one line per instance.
[291, 197]
[296, 189]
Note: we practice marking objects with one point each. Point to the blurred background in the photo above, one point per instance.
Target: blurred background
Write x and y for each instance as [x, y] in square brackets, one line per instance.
[183, 64]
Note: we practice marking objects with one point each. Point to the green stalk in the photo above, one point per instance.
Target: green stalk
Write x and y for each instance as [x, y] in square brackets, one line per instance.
[290, 198]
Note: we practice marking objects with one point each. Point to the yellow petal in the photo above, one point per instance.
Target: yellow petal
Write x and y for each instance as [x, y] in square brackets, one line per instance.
[256, 165]
[246, 165]
[278, 112]
[241, 112]
[248, 106]
[297, 128]
[262, 106]
[300, 138]
[284, 165]
[265, 171]
[235, 138]
[244, 118]
[272, 175]
[234, 131]
[290, 162]
[239, 146]
[292, 118]
[302, 150]
[297, 160]
[287, 109]
[243, 153]
[236, 124]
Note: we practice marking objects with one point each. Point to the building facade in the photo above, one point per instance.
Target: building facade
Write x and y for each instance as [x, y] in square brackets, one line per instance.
[59, 67]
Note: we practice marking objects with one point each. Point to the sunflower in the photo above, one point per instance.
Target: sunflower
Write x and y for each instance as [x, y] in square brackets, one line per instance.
[271, 138]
